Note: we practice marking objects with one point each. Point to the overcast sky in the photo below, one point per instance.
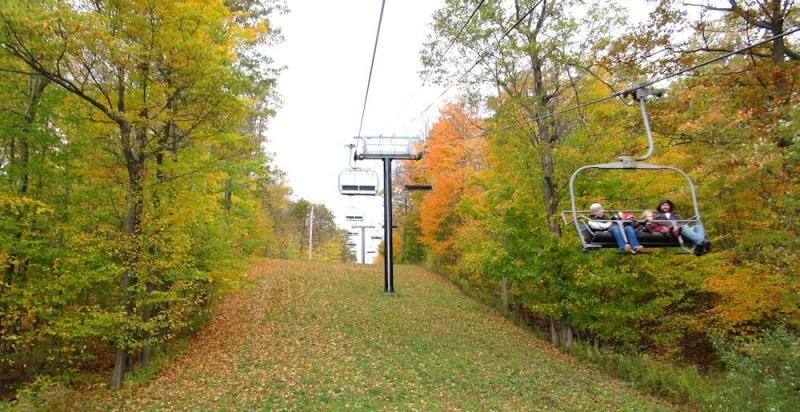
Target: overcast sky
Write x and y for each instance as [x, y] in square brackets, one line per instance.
[327, 51]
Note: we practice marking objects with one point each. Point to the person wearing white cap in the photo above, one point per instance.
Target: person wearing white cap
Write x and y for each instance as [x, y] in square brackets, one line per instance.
[598, 221]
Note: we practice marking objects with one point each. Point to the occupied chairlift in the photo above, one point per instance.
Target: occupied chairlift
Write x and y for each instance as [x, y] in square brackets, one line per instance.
[593, 240]
[356, 181]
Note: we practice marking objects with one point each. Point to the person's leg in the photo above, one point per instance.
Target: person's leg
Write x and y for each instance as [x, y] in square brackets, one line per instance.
[631, 234]
[695, 234]
[615, 230]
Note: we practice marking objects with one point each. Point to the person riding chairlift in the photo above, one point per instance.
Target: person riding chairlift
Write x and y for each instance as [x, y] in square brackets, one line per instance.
[598, 221]
[696, 234]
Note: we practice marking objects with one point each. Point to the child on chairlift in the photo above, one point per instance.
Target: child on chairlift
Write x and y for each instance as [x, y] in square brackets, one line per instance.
[648, 224]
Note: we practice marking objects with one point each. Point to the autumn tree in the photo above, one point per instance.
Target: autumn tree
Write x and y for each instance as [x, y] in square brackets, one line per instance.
[527, 52]
[163, 86]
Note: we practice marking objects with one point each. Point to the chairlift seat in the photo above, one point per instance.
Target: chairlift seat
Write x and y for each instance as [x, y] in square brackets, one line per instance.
[604, 239]
[419, 187]
[600, 239]
[358, 182]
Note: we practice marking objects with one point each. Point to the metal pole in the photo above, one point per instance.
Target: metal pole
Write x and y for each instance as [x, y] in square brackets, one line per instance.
[388, 284]
[363, 255]
[310, 232]
[650, 144]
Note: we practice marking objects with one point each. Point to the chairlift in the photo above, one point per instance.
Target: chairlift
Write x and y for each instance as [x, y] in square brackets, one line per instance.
[356, 181]
[419, 187]
[593, 240]
[353, 215]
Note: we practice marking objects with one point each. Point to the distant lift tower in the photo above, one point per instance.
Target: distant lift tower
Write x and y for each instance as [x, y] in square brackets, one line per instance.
[388, 149]
[363, 241]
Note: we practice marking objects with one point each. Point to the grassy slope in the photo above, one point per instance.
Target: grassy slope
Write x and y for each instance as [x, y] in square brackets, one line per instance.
[320, 336]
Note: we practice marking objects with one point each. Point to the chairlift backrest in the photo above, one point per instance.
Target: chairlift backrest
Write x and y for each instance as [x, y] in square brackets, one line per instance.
[358, 182]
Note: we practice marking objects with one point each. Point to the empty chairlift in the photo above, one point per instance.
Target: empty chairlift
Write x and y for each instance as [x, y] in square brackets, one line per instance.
[358, 182]
[353, 215]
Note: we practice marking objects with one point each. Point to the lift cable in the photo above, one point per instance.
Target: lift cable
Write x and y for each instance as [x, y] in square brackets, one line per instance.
[371, 66]
[646, 84]
[633, 88]
[477, 62]
[449, 46]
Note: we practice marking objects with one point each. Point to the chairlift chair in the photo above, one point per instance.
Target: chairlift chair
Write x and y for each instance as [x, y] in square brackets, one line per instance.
[593, 240]
[419, 187]
[356, 181]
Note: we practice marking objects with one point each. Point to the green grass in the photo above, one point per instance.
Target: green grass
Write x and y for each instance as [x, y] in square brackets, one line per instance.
[325, 336]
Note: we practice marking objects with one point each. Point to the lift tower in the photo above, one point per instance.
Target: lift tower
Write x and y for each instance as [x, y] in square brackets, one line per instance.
[388, 149]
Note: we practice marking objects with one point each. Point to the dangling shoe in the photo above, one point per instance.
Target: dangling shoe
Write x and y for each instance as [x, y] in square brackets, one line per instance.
[706, 246]
[627, 249]
[698, 250]
[638, 249]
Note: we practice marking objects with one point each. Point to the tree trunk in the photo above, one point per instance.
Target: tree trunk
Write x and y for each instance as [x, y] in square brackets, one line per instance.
[228, 195]
[135, 199]
[565, 332]
[504, 291]
[36, 86]
[549, 190]
[147, 313]
[553, 333]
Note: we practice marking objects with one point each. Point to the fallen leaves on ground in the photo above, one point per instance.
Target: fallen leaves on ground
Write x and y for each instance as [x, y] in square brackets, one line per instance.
[325, 336]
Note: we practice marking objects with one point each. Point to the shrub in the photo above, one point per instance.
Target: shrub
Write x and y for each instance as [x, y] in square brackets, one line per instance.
[763, 373]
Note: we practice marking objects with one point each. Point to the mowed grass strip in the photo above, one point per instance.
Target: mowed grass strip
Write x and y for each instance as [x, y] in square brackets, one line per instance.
[324, 336]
